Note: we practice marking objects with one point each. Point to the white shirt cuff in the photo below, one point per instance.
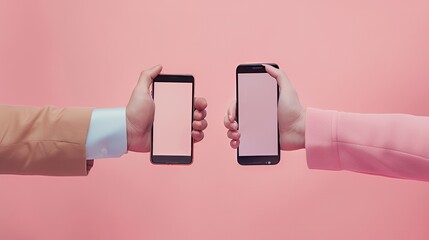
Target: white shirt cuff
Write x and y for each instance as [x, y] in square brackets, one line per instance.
[107, 134]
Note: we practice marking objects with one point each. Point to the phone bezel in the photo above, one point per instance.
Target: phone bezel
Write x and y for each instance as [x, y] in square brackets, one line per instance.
[264, 159]
[173, 159]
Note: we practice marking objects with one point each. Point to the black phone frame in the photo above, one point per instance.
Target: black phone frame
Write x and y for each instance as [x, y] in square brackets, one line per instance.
[260, 159]
[172, 159]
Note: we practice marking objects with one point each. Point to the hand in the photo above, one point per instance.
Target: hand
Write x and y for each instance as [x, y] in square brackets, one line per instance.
[141, 110]
[291, 115]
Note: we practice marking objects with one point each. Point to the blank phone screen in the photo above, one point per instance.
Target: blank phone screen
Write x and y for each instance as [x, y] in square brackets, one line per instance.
[172, 125]
[257, 114]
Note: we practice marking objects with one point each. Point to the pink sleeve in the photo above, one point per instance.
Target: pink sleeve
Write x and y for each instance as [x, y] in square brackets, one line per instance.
[394, 145]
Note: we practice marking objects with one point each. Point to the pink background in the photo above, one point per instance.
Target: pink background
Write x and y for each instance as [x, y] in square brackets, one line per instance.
[173, 119]
[257, 110]
[360, 56]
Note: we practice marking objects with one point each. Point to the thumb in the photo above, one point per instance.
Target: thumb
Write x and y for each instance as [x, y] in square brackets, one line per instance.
[280, 76]
[147, 76]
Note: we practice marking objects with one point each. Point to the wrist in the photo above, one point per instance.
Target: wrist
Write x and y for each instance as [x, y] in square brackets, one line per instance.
[301, 128]
[292, 135]
[137, 140]
[130, 135]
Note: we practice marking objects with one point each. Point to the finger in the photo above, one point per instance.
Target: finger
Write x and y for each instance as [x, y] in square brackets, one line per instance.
[279, 75]
[231, 111]
[234, 144]
[230, 125]
[200, 103]
[197, 135]
[234, 135]
[199, 125]
[147, 76]
[200, 115]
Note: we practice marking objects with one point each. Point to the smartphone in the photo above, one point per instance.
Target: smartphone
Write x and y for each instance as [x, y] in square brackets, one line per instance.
[257, 98]
[172, 141]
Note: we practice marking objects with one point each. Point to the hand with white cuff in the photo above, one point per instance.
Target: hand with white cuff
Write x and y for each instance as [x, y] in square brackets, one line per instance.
[141, 109]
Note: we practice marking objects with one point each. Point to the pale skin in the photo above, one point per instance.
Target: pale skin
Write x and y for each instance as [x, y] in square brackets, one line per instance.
[141, 109]
[291, 115]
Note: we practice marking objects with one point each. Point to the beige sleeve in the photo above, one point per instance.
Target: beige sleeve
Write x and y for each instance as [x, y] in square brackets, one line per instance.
[44, 141]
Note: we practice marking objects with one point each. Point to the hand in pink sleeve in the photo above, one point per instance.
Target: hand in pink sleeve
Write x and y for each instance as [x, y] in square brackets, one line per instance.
[393, 145]
[290, 113]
